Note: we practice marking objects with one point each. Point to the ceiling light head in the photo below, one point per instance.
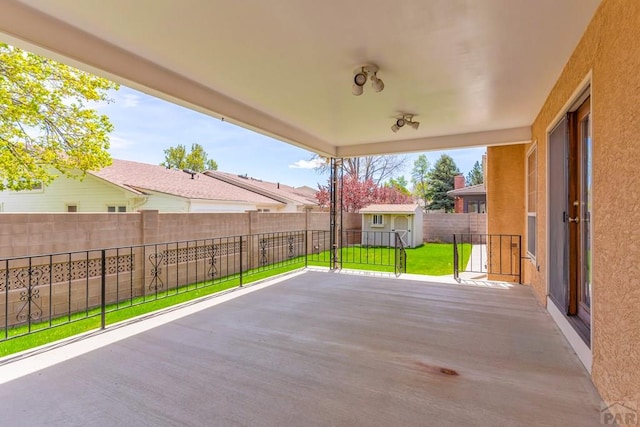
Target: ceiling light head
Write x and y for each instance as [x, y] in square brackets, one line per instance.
[404, 119]
[360, 76]
[376, 83]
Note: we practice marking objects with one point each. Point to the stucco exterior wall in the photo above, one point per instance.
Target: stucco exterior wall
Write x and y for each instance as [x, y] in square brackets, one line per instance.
[506, 191]
[609, 51]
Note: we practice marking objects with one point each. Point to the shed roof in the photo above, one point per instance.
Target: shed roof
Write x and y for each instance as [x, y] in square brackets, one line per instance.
[390, 208]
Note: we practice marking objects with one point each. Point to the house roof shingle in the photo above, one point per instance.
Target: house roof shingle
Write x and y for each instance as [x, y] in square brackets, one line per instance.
[473, 190]
[301, 196]
[141, 178]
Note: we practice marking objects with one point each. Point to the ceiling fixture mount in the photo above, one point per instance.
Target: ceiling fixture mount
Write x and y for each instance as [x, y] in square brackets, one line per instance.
[360, 76]
[405, 119]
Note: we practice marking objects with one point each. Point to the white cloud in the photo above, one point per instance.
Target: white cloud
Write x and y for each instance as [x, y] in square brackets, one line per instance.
[307, 164]
[129, 100]
[117, 143]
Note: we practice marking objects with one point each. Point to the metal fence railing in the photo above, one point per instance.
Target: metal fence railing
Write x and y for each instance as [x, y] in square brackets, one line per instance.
[375, 250]
[496, 256]
[47, 291]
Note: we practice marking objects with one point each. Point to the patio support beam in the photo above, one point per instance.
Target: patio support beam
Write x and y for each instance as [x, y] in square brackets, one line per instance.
[335, 209]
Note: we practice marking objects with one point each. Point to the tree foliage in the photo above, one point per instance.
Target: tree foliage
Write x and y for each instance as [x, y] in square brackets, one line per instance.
[196, 160]
[375, 168]
[357, 194]
[420, 179]
[441, 180]
[400, 184]
[475, 177]
[45, 121]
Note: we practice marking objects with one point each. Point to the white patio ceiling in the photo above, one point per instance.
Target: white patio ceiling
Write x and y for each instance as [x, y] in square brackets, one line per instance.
[476, 72]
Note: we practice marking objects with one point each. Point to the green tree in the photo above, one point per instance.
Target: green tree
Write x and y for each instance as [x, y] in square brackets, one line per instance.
[45, 122]
[197, 159]
[474, 177]
[441, 180]
[400, 184]
[419, 178]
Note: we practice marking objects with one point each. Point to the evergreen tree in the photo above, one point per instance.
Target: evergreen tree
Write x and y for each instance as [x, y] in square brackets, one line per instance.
[474, 177]
[441, 180]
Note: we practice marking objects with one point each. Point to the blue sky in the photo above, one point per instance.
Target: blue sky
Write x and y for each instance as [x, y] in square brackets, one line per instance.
[144, 126]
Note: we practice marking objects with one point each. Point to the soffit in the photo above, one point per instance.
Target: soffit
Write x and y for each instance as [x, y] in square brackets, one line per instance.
[476, 72]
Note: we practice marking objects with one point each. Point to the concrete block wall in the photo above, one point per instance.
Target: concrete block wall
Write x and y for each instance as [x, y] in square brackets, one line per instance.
[70, 282]
[44, 233]
[440, 227]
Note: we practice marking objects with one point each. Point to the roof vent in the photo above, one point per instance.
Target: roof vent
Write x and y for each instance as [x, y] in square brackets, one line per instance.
[190, 172]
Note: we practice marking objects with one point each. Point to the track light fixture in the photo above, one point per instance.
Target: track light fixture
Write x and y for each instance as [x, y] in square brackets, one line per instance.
[360, 76]
[405, 119]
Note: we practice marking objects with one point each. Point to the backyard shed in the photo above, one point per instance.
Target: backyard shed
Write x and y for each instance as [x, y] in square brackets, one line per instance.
[380, 221]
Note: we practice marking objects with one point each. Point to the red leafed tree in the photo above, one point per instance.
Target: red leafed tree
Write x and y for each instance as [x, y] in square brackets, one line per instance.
[322, 196]
[357, 194]
[391, 195]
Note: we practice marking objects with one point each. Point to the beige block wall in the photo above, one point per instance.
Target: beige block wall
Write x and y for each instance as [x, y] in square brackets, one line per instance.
[440, 227]
[610, 51]
[70, 281]
[42, 233]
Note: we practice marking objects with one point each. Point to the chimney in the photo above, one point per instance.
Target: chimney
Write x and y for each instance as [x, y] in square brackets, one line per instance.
[458, 182]
[458, 204]
[278, 186]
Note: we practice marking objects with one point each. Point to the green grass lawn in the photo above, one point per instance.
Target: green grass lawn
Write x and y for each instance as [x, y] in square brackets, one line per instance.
[431, 259]
[434, 259]
[41, 333]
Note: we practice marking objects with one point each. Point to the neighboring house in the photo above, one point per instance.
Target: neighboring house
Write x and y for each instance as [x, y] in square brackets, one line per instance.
[294, 199]
[471, 199]
[406, 220]
[128, 186]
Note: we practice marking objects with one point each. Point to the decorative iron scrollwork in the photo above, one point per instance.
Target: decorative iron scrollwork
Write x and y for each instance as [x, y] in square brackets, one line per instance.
[212, 252]
[156, 281]
[29, 279]
[263, 252]
[290, 243]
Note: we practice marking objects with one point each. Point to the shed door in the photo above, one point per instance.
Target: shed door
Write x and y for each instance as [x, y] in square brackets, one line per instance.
[401, 226]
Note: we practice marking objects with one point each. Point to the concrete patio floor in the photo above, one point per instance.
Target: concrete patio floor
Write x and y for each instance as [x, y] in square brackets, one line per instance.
[324, 349]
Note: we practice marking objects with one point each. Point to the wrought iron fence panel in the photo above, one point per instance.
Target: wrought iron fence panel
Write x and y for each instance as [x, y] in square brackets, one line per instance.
[496, 256]
[47, 291]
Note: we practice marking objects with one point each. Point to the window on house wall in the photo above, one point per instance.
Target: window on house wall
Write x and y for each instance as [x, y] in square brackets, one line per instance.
[37, 188]
[377, 220]
[472, 207]
[532, 194]
[72, 208]
[116, 208]
[482, 207]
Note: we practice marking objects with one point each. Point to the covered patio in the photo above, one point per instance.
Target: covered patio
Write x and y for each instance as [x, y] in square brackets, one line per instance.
[364, 350]
[316, 348]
